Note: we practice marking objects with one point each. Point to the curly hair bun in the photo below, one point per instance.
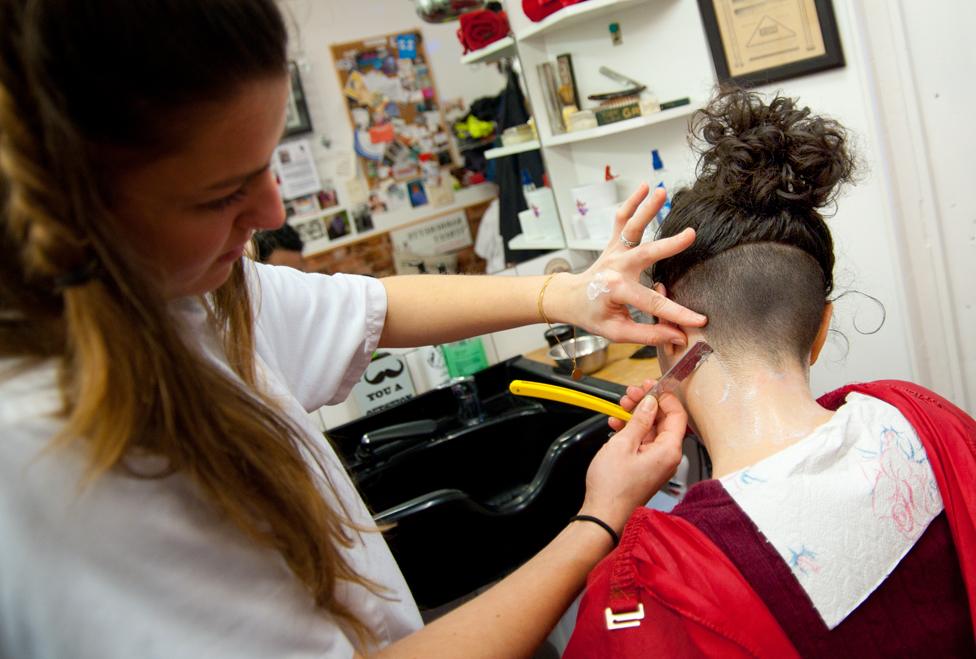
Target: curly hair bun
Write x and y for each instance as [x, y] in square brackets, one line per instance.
[766, 158]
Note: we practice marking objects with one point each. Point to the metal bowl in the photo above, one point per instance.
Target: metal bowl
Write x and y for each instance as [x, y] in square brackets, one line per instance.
[591, 353]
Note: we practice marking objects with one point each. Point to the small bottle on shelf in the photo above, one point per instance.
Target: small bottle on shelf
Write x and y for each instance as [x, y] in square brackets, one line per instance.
[661, 173]
[528, 185]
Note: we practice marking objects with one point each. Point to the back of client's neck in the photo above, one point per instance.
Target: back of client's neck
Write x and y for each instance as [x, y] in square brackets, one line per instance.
[747, 413]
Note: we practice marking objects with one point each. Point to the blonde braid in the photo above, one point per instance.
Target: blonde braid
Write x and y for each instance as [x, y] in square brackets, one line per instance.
[34, 214]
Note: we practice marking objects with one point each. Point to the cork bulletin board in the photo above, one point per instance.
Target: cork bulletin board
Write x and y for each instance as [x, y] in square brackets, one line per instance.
[393, 107]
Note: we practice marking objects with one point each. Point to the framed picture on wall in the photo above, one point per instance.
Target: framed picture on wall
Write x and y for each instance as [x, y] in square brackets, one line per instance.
[297, 119]
[770, 40]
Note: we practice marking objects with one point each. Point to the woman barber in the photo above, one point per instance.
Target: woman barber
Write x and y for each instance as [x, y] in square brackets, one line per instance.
[162, 492]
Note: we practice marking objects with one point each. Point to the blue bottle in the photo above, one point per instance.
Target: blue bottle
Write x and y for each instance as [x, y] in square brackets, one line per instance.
[660, 174]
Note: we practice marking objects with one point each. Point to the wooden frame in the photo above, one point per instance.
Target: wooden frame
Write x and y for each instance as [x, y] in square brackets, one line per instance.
[770, 40]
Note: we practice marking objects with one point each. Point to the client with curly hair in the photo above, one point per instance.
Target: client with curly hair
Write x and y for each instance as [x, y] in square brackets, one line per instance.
[839, 526]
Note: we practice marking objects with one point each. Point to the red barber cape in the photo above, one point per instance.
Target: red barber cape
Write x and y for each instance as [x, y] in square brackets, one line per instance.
[696, 603]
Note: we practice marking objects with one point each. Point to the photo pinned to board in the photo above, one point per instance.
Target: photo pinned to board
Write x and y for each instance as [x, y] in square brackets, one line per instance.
[337, 225]
[318, 231]
[312, 204]
[327, 197]
[362, 217]
[394, 196]
[416, 192]
[305, 205]
[376, 203]
[312, 231]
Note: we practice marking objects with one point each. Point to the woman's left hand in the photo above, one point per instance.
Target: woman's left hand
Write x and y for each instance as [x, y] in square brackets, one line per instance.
[597, 299]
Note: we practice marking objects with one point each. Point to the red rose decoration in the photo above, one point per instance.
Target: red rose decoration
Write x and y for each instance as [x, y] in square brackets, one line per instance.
[480, 28]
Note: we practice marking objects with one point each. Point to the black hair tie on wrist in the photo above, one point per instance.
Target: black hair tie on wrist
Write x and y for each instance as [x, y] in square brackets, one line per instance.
[599, 522]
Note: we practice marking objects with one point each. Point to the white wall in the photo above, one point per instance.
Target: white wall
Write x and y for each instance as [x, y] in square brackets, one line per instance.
[944, 59]
[923, 59]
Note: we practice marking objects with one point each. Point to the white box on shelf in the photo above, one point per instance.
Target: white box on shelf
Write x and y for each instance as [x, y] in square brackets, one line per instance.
[541, 202]
[537, 227]
[579, 228]
[599, 223]
[594, 196]
[540, 220]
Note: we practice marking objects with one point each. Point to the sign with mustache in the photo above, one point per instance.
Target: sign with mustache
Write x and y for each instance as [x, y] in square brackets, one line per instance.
[385, 383]
[383, 373]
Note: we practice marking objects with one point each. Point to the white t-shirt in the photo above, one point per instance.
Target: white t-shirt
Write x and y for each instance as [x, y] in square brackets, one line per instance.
[145, 568]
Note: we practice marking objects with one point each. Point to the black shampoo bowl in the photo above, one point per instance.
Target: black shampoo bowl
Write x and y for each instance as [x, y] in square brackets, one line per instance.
[453, 540]
[469, 504]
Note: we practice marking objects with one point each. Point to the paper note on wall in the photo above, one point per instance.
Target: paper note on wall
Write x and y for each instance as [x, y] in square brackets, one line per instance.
[445, 234]
[295, 166]
[356, 191]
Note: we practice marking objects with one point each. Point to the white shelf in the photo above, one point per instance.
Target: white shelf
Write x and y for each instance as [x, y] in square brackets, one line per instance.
[588, 244]
[574, 14]
[504, 47]
[385, 222]
[463, 198]
[621, 126]
[331, 210]
[521, 147]
[521, 242]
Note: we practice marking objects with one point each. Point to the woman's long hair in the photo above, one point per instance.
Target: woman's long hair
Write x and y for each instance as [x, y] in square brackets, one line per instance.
[76, 79]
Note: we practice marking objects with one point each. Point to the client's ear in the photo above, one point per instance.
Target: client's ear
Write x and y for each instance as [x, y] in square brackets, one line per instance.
[821, 338]
[666, 348]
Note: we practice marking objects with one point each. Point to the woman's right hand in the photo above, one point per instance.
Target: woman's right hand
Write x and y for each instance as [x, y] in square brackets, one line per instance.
[637, 460]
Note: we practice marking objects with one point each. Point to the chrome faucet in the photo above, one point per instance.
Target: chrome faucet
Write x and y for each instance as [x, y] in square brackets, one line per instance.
[465, 390]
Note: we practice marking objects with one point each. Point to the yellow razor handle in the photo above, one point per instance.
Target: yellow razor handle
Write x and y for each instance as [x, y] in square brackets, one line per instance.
[568, 396]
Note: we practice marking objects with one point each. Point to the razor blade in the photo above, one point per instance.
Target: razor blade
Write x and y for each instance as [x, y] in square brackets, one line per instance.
[682, 369]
